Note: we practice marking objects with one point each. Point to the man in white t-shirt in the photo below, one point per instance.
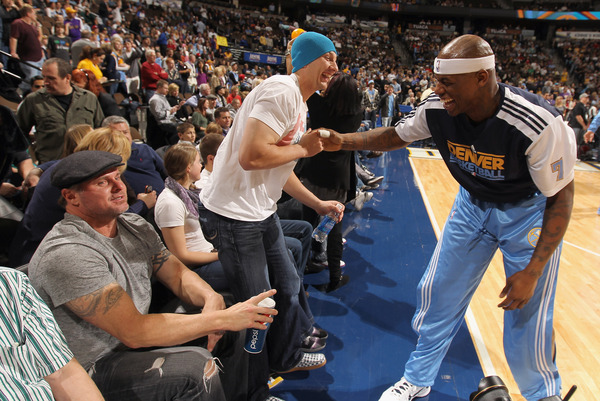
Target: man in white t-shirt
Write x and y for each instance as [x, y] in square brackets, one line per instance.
[237, 207]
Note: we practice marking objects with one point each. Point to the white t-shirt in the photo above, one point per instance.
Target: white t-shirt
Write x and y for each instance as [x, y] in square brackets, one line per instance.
[204, 178]
[252, 195]
[170, 211]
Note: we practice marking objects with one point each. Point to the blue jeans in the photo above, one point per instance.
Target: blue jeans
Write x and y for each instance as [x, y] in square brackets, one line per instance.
[298, 240]
[159, 374]
[255, 258]
[213, 274]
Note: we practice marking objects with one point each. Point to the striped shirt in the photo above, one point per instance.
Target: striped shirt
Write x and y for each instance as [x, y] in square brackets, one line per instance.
[32, 346]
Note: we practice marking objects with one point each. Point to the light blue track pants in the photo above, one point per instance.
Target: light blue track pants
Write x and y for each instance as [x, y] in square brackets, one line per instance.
[472, 234]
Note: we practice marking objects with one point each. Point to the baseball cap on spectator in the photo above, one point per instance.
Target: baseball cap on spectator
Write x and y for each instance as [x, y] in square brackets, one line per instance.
[83, 166]
[70, 10]
[211, 96]
[371, 82]
[308, 47]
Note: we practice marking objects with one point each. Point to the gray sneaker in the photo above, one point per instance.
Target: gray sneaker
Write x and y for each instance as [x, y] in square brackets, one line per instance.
[404, 391]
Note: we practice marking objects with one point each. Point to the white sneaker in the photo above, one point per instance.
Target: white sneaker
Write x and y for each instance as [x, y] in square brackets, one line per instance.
[404, 391]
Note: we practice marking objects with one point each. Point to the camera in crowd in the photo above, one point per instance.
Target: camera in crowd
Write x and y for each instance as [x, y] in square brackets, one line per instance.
[492, 388]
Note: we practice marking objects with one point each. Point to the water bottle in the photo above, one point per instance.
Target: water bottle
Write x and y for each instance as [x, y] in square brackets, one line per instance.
[320, 233]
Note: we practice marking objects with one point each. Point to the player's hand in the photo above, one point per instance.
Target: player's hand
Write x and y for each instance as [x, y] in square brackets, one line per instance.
[518, 290]
[333, 142]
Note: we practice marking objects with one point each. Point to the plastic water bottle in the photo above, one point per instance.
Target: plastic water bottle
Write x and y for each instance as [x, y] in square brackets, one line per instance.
[320, 233]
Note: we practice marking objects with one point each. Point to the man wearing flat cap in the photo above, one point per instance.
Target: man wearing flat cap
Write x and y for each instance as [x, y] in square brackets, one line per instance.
[256, 161]
[94, 270]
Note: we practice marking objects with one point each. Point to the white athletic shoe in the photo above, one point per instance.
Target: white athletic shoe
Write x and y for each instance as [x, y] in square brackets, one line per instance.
[404, 391]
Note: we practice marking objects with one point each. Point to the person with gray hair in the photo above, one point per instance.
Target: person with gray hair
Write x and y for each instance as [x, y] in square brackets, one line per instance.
[151, 73]
[145, 171]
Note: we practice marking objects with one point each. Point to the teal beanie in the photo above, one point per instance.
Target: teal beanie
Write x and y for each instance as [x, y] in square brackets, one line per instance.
[308, 47]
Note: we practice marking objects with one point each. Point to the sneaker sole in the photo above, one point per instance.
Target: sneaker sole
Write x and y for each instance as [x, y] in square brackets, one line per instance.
[312, 367]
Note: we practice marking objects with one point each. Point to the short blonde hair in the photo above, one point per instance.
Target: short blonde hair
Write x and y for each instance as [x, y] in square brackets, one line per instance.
[108, 140]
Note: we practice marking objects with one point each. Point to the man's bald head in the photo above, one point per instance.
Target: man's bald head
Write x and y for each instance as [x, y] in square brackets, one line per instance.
[466, 46]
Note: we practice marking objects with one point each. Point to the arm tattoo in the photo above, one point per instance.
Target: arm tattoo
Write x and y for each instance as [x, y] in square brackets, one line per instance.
[159, 259]
[89, 305]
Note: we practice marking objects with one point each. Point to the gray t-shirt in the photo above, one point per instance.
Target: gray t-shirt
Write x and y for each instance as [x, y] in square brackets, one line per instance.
[74, 260]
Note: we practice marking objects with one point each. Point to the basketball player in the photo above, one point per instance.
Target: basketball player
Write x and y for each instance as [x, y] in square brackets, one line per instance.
[514, 157]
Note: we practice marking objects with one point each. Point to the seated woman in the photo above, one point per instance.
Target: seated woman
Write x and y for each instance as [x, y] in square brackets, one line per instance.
[91, 59]
[87, 80]
[176, 215]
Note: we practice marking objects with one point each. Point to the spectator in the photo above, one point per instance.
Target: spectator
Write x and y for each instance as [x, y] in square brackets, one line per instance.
[163, 112]
[78, 46]
[176, 215]
[233, 107]
[208, 150]
[145, 168]
[261, 148]
[91, 59]
[58, 105]
[104, 312]
[42, 366]
[223, 118]
[131, 56]
[174, 98]
[25, 45]
[73, 25]
[173, 75]
[59, 45]
[151, 73]
[220, 94]
[214, 128]
[234, 94]
[371, 103]
[387, 105]
[199, 119]
[9, 12]
[85, 79]
[339, 107]
[577, 119]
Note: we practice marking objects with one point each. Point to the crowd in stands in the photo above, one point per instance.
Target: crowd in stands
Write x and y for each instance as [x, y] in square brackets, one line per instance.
[102, 63]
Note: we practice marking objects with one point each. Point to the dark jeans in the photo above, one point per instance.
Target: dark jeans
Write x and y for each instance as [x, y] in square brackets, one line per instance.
[255, 258]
